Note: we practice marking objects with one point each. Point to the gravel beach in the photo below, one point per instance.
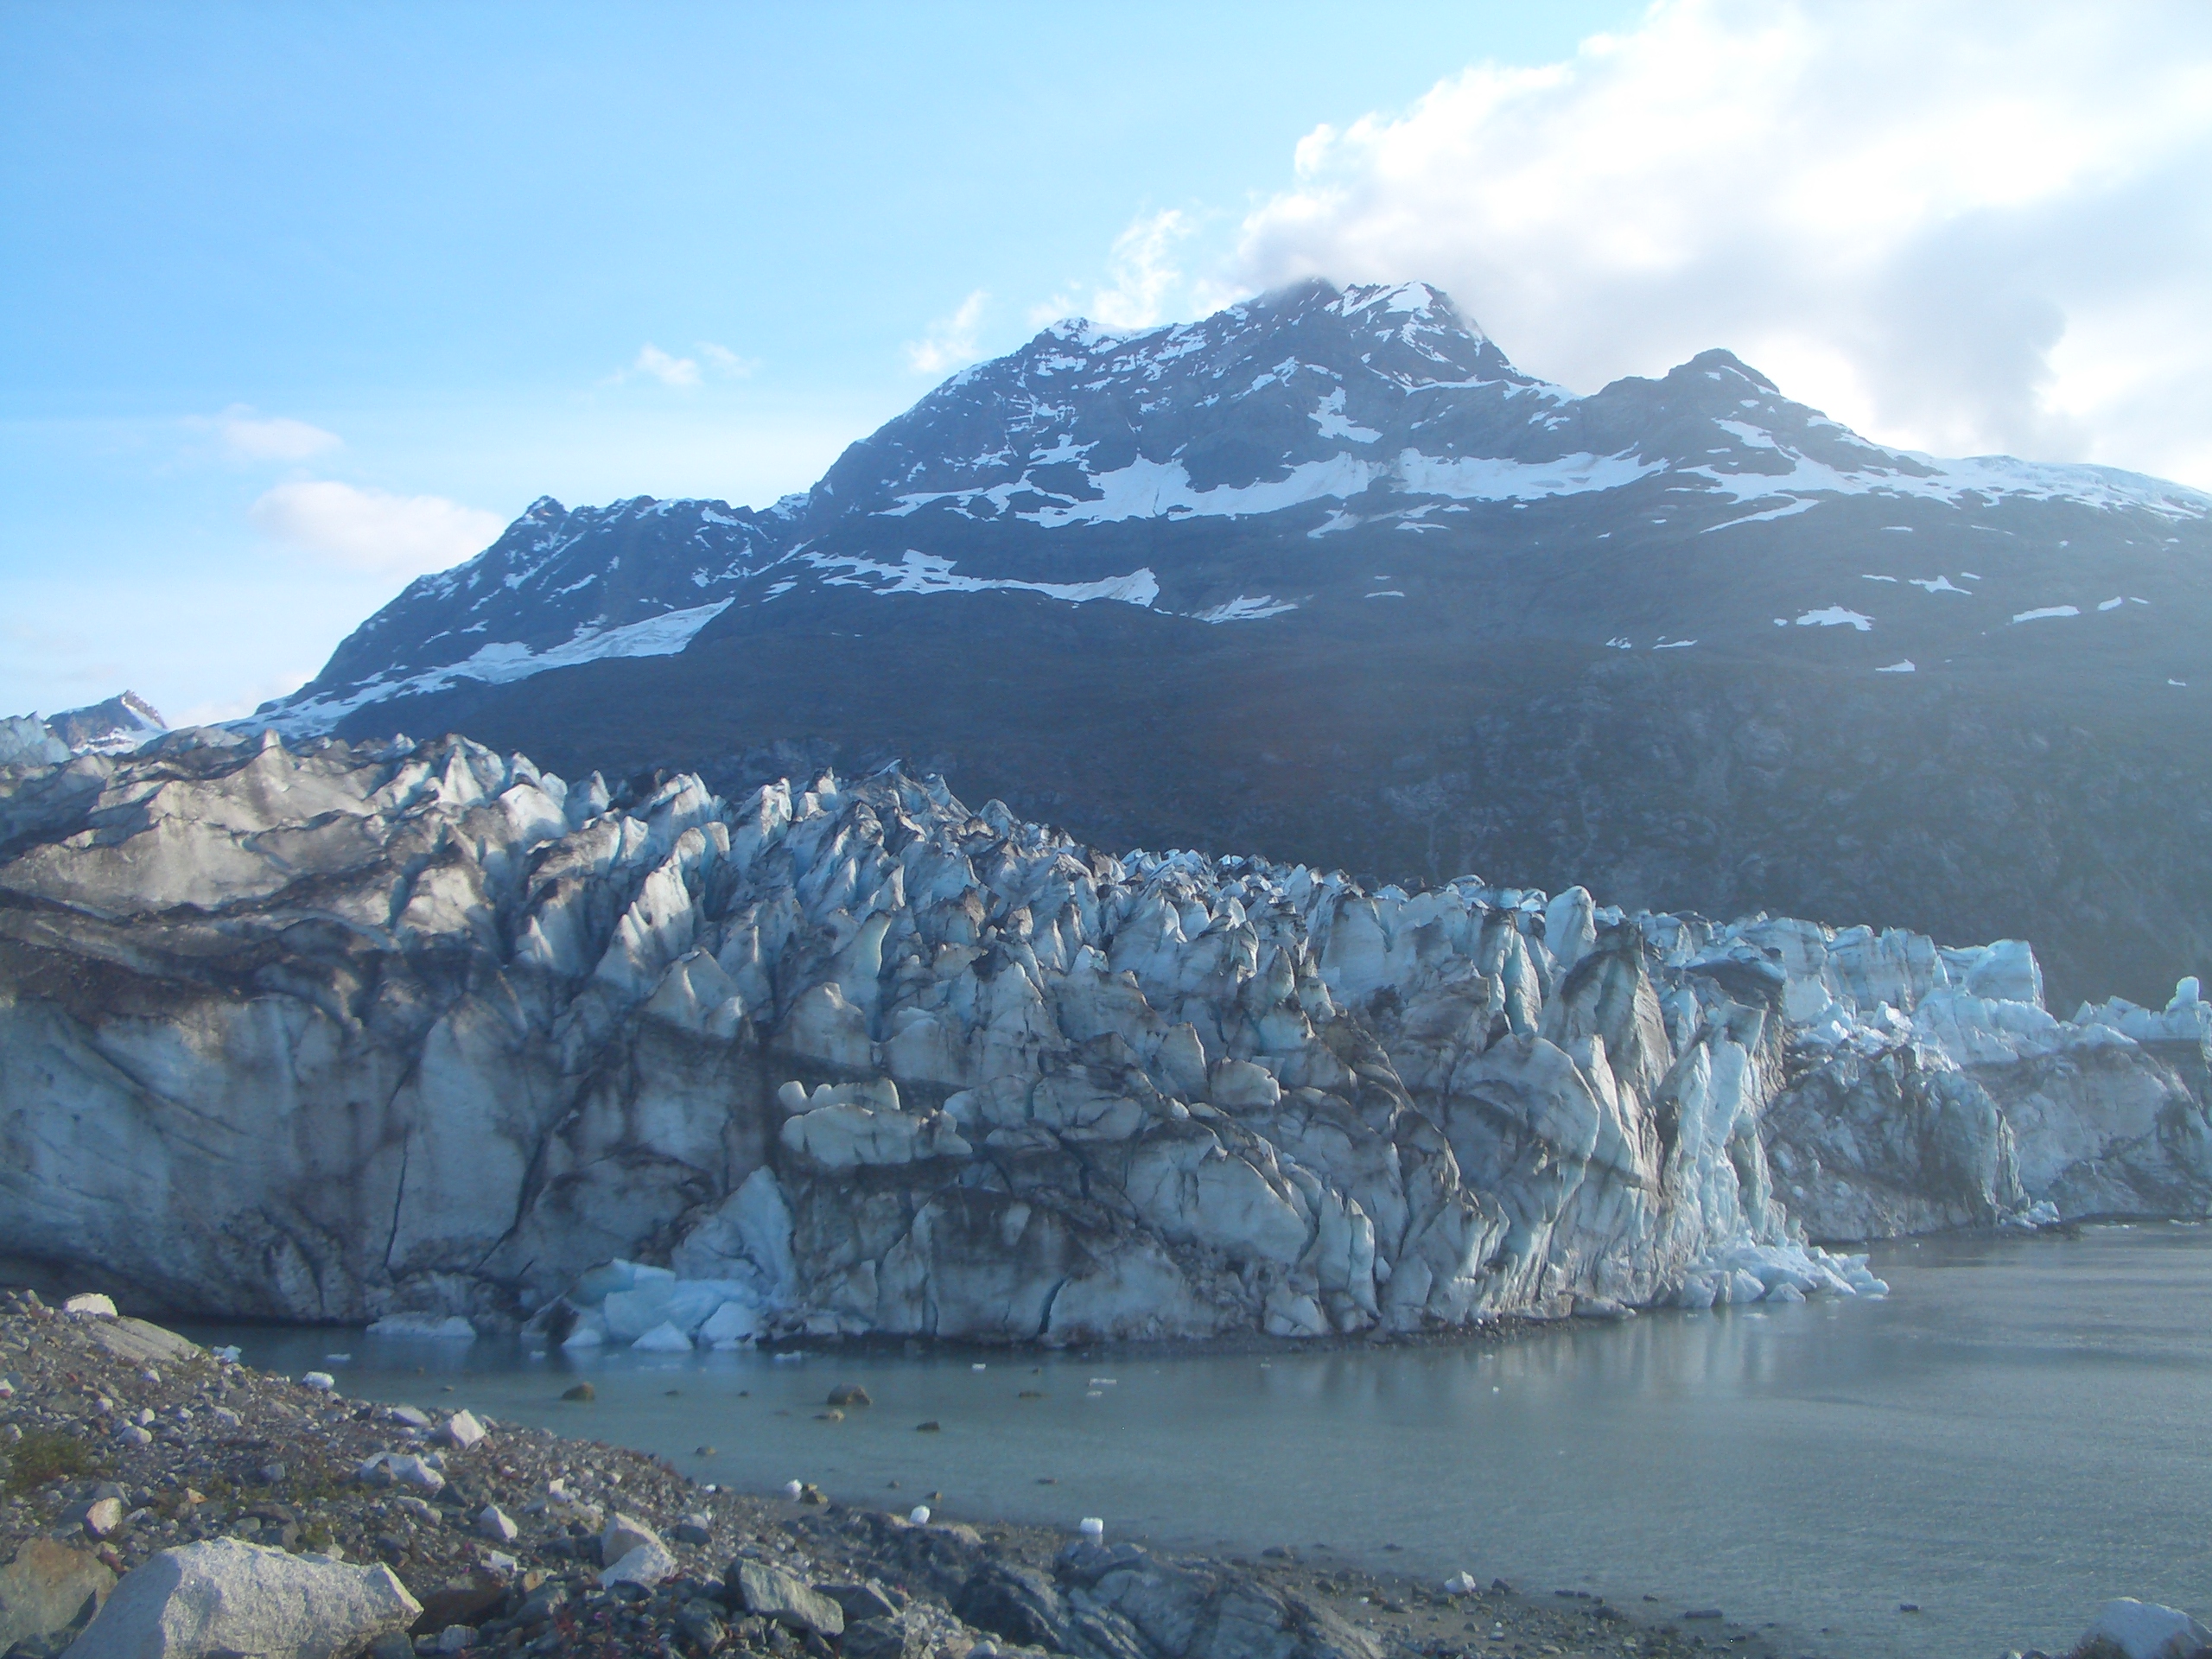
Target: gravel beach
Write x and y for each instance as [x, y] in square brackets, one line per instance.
[122, 1440]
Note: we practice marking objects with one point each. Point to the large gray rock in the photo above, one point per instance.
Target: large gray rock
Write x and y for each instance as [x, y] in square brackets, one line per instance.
[448, 1035]
[49, 1588]
[2145, 1630]
[770, 1593]
[226, 1597]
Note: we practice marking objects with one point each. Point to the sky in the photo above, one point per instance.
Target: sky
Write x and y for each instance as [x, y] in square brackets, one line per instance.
[297, 303]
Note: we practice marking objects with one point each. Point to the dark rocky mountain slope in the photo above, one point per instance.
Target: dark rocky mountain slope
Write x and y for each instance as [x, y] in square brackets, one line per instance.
[1324, 575]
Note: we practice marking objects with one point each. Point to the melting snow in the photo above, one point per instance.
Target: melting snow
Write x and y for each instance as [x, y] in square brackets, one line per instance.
[1328, 415]
[929, 573]
[505, 661]
[1245, 609]
[2048, 610]
[1835, 617]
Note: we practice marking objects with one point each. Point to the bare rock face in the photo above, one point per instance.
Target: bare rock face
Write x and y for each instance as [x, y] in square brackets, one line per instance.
[335, 1032]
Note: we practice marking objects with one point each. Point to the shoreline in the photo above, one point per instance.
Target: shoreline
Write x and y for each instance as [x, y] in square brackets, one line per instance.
[228, 1451]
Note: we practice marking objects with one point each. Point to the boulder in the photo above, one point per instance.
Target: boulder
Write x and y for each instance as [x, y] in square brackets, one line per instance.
[461, 1431]
[647, 1564]
[624, 1534]
[2143, 1630]
[770, 1593]
[898, 1637]
[49, 1588]
[222, 1596]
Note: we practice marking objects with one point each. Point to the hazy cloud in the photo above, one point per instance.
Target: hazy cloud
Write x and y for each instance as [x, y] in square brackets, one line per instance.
[1143, 273]
[684, 371]
[371, 530]
[248, 436]
[950, 342]
[1956, 227]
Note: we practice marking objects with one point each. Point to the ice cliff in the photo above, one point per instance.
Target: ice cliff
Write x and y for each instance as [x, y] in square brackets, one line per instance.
[334, 1033]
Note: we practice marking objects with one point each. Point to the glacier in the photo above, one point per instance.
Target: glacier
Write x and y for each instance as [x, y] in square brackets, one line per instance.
[418, 1032]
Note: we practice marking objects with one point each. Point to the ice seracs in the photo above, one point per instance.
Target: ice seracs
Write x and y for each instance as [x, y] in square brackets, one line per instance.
[657, 1069]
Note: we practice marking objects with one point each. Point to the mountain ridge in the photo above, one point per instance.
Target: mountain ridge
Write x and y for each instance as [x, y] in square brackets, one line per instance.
[1248, 577]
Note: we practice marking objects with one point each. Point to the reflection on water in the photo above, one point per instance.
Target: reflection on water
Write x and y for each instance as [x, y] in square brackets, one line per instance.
[2019, 1432]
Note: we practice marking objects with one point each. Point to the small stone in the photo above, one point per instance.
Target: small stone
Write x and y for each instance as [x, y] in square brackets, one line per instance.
[321, 1382]
[493, 1523]
[91, 1303]
[461, 1431]
[581, 1391]
[850, 1394]
[456, 1639]
[931, 1427]
[412, 1416]
[811, 1493]
[270, 1474]
[830, 1416]
[132, 1434]
[697, 1528]
[103, 1516]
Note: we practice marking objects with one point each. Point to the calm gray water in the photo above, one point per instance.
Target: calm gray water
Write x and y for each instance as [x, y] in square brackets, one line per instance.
[2022, 1429]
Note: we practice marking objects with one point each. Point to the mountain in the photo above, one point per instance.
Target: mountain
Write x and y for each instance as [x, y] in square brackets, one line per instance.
[1325, 574]
[334, 1031]
[116, 727]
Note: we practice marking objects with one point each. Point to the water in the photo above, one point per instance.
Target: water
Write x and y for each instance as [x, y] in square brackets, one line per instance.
[2018, 1433]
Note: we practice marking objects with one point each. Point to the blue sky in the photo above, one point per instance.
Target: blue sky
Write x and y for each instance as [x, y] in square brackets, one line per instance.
[299, 301]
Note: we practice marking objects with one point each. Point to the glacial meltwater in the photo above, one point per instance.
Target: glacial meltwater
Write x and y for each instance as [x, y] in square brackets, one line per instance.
[2020, 1431]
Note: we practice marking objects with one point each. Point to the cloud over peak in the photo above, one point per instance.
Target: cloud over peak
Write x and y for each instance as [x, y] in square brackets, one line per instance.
[371, 530]
[1959, 230]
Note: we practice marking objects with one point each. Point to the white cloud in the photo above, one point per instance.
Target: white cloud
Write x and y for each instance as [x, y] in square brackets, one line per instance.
[1954, 226]
[248, 436]
[371, 530]
[668, 371]
[950, 342]
[727, 361]
[1144, 274]
[684, 371]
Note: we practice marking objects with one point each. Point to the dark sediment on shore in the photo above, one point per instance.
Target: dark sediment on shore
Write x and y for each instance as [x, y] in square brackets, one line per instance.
[122, 1440]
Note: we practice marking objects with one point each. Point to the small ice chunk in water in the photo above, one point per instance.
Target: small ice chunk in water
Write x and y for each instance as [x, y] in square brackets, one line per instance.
[1092, 1527]
[919, 1515]
[791, 1490]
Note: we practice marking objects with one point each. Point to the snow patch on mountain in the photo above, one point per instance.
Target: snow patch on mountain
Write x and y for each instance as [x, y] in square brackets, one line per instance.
[498, 662]
[928, 573]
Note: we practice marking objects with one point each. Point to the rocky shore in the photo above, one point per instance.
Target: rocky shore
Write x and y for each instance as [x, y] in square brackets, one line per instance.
[134, 1458]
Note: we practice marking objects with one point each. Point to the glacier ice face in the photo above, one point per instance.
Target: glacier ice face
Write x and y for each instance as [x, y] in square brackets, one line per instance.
[336, 1032]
